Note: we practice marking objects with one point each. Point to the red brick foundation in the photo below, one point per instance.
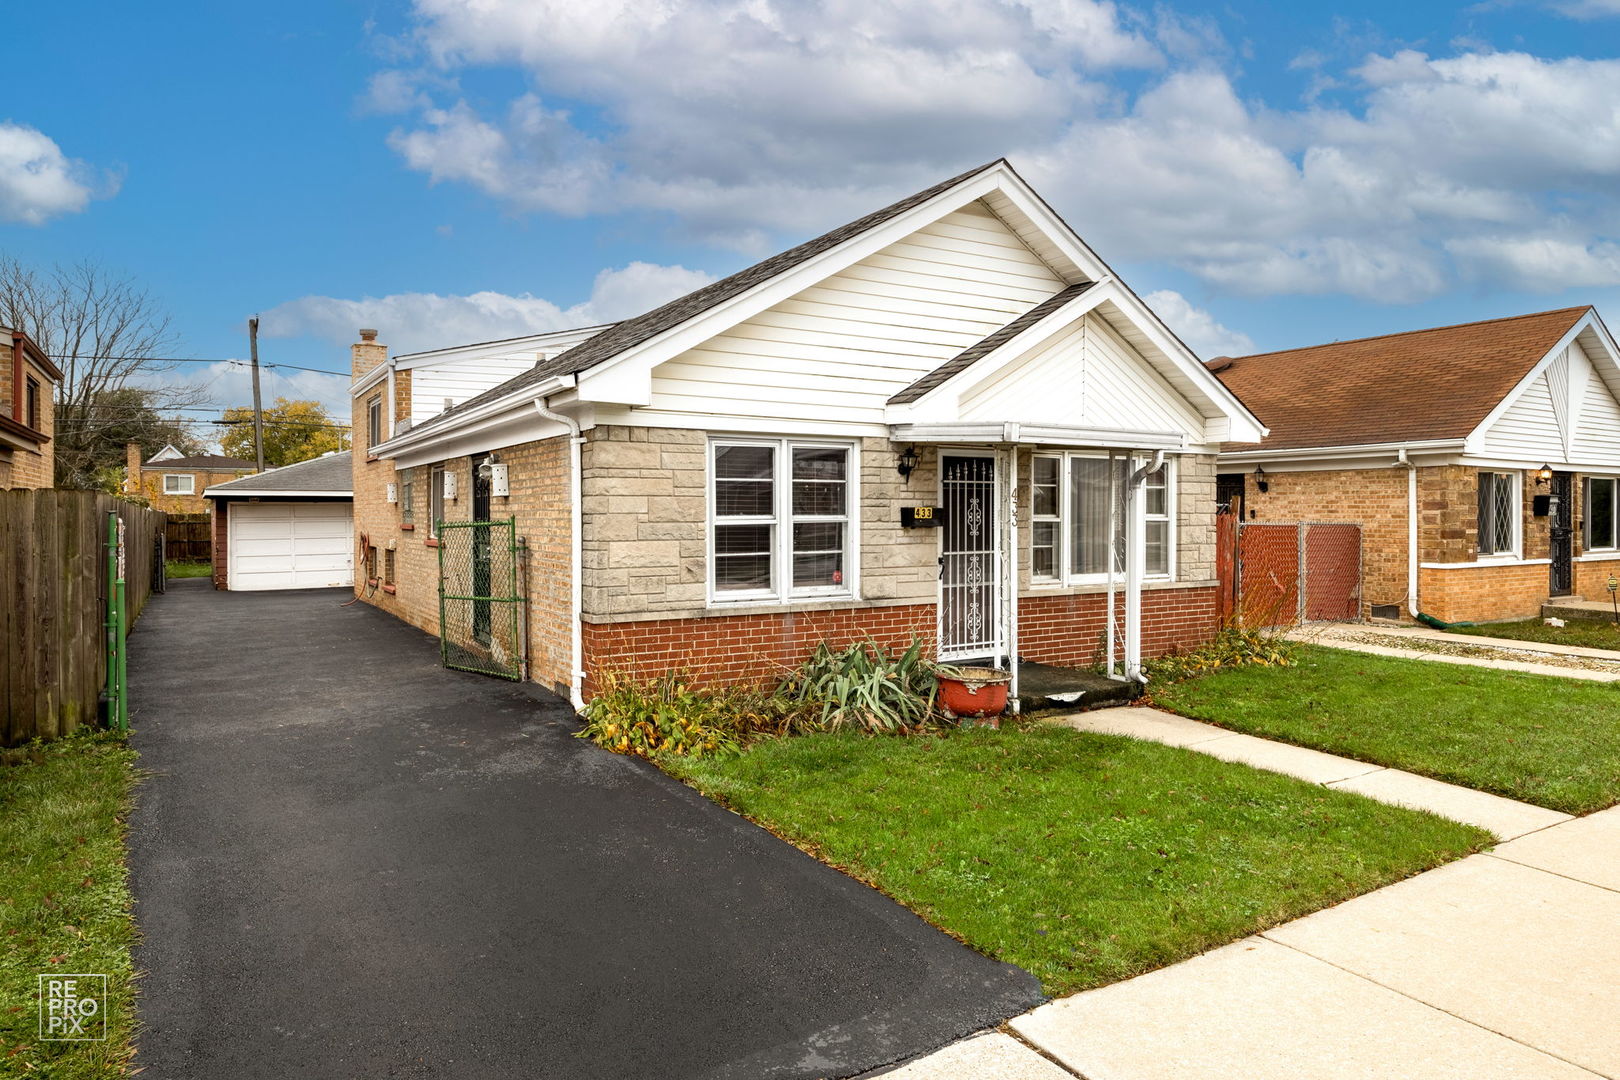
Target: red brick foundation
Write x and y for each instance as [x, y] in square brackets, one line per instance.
[1069, 628]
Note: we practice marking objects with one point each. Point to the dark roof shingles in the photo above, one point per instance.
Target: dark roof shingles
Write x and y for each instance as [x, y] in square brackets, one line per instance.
[329, 472]
[968, 356]
[1438, 383]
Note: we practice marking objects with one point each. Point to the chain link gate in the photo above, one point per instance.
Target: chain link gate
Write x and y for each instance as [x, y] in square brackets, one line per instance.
[481, 602]
[1296, 572]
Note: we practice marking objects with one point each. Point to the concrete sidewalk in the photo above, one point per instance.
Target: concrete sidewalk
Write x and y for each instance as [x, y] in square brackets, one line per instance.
[1563, 662]
[1507, 818]
[1501, 965]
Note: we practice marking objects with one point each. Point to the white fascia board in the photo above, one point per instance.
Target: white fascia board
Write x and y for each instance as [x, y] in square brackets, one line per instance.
[1476, 438]
[1362, 456]
[1044, 434]
[512, 428]
[267, 493]
[642, 358]
[418, 437]
[943, 403]
[371, 378]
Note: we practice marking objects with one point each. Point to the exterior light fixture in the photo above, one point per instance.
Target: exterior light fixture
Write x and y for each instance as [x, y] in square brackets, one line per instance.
[907, 461]
[1260, 480]
[1544, 474]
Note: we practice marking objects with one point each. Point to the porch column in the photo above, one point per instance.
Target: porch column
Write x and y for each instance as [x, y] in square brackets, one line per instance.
[1009, 564]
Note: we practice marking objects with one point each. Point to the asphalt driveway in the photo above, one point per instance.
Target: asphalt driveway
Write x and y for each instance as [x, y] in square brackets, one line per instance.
[351, 862]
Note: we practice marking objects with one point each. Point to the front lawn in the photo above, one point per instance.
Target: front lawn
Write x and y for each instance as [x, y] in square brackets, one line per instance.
[1583, 633]
[1082, 858]
[64, 899]
[1540, 739]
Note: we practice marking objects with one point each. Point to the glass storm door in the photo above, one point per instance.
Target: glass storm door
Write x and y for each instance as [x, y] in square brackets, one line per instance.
[968, 567]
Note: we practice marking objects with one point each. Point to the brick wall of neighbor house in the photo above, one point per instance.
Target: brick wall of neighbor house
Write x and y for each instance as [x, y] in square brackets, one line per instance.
[26, 468]
[151, 488]
[1483, 593]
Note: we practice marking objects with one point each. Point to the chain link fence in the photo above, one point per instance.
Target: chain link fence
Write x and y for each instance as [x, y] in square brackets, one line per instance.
[481, 603]
[1287, 573]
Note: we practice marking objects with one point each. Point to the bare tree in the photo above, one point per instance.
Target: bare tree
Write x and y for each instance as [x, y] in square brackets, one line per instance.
[103, 331]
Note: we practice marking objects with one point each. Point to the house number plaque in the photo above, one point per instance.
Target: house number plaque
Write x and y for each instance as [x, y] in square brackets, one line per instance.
[919, 517]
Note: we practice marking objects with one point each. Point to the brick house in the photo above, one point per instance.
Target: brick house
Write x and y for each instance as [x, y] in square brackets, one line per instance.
[28, 382]
[948, 419]
[1482, 461]
[174, 482]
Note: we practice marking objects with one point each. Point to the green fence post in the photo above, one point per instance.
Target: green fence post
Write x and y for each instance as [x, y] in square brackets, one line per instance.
[110, 624]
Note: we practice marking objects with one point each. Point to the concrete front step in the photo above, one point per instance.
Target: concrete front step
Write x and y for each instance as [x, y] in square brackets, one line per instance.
[1573, 607]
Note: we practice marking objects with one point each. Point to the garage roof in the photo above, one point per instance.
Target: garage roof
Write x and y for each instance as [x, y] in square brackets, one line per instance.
[328, 475]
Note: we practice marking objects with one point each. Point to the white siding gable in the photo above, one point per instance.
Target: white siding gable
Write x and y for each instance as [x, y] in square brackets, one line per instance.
[835, 352]
[1085, 376]
[455, 381]
[1566, 414]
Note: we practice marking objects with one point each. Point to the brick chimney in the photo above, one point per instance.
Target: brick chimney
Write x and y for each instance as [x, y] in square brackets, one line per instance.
[366, 355]
[132, 467]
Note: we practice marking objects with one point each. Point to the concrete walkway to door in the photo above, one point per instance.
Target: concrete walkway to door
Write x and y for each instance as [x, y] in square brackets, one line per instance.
[350, 862]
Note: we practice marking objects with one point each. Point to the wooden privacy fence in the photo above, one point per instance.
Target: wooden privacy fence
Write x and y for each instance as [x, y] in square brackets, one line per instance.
[190, 537]
[53, 604]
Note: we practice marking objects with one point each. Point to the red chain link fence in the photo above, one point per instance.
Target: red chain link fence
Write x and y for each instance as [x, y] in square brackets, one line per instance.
[1283, 573]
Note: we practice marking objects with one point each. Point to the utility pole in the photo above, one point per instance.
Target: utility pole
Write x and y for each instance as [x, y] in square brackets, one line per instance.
[258, 408]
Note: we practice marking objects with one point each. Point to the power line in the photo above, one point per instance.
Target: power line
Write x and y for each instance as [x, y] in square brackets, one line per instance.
[190, 360]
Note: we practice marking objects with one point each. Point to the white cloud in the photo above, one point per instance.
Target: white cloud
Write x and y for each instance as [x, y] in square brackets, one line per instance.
[39, 182]
[409, 322]
[1197, 327]
[749, 122]
[1588, 9]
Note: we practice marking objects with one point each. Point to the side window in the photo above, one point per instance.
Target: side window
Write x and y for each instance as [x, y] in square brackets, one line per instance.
[1498, 513]
[1046, 522]
[374, 421]
[407, 497]
[435, 499]
[1600, 513]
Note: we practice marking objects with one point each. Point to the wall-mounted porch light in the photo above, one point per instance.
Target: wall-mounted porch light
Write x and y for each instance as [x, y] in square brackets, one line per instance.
[1260, 480]
[907, 462]
[1544, 474]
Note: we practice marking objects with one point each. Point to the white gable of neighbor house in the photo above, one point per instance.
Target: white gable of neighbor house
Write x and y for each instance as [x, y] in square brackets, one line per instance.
[1567, 412]
[1085, 376]
[835, 352]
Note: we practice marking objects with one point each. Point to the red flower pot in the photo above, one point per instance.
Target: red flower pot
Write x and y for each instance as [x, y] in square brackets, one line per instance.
[980, 693]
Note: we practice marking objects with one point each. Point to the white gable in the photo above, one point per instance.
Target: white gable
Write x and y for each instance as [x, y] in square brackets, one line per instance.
[835, 352]
[1085, 376]
[1564, 413]
[447, 377]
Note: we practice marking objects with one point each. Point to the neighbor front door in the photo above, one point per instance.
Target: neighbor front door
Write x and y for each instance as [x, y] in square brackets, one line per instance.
[969, 570]
[1562, 533]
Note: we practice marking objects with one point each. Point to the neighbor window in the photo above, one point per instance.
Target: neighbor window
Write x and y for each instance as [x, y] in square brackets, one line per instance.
[374, 422]
[407, 497]
[371, 564]
[32, 403]
[1498, 513]
[179, 484]
[781, 519]
[1600, 513]
[1075, 499]
[435, 499]
[388, 566]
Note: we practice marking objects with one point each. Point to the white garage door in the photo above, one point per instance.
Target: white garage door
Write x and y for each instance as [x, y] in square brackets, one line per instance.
[291, 545]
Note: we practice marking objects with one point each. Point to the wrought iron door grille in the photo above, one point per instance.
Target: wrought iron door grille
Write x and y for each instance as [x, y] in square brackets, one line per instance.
[480, 599]
[968, 570]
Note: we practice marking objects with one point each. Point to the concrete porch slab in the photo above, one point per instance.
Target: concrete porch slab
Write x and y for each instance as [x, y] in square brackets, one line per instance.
[1586, 849]
[985, 1057]
[1515, 950]
[1506, 818]
[1312, 765]
[1143, 723]
[1256, 1010]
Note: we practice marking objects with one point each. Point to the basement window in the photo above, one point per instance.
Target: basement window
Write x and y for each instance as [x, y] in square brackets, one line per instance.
[388, 566]
[179, 484]
[1601, 518]
[371, 564]
[1498, 513]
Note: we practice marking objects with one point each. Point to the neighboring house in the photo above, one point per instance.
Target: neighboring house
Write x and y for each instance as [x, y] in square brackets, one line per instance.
[718, 484]
[27, 413]
[1482, 461]
[173, 482]
[286, 528]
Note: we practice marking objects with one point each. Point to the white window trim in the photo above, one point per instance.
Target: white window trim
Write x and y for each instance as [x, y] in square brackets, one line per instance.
[436, 474]
[375, 436]
[1058, 560]
[1064, 578]
[1613, 546]
[188, 481]
[1516, 552]
[781, 525]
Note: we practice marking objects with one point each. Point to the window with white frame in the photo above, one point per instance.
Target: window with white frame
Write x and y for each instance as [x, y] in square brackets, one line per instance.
[374, 421]
[1601, 518]
[1075, 499]
[1498, 513]
[179, 484]
[435, 499]
[780, 519]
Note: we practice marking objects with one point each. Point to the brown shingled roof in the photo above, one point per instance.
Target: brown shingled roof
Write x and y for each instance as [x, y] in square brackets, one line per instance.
[1418, 385]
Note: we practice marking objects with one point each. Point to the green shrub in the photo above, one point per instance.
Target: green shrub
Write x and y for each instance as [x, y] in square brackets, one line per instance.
[668, 715]
[861, 686]
[1233, 647]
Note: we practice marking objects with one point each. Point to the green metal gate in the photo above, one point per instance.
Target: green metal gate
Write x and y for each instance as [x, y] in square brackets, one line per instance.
[481, 605]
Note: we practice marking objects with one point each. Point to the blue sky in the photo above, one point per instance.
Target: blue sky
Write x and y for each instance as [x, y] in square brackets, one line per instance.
[1273, 174]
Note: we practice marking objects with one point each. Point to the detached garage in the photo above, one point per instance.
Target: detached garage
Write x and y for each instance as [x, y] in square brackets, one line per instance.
[287, 528]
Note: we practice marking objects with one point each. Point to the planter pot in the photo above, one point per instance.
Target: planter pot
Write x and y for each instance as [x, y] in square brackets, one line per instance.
[976, 695]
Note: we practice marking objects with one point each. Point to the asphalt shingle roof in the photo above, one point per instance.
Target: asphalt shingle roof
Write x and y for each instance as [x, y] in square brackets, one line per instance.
[1438, 383]
[632, 332]
[966, 358]
[330, 472]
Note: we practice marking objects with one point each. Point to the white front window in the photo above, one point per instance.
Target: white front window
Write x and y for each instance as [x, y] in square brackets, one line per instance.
[1075, 501]
[1499, 513]
[179, 484]
[781, 524]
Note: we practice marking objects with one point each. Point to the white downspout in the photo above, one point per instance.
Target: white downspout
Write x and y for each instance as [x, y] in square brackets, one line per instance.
[1011, 560]
[576, 527]
[1135, 558]
[1411, 532]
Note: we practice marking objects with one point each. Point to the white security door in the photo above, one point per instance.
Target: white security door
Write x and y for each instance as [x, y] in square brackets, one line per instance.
[291, 545]
[969, 571]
